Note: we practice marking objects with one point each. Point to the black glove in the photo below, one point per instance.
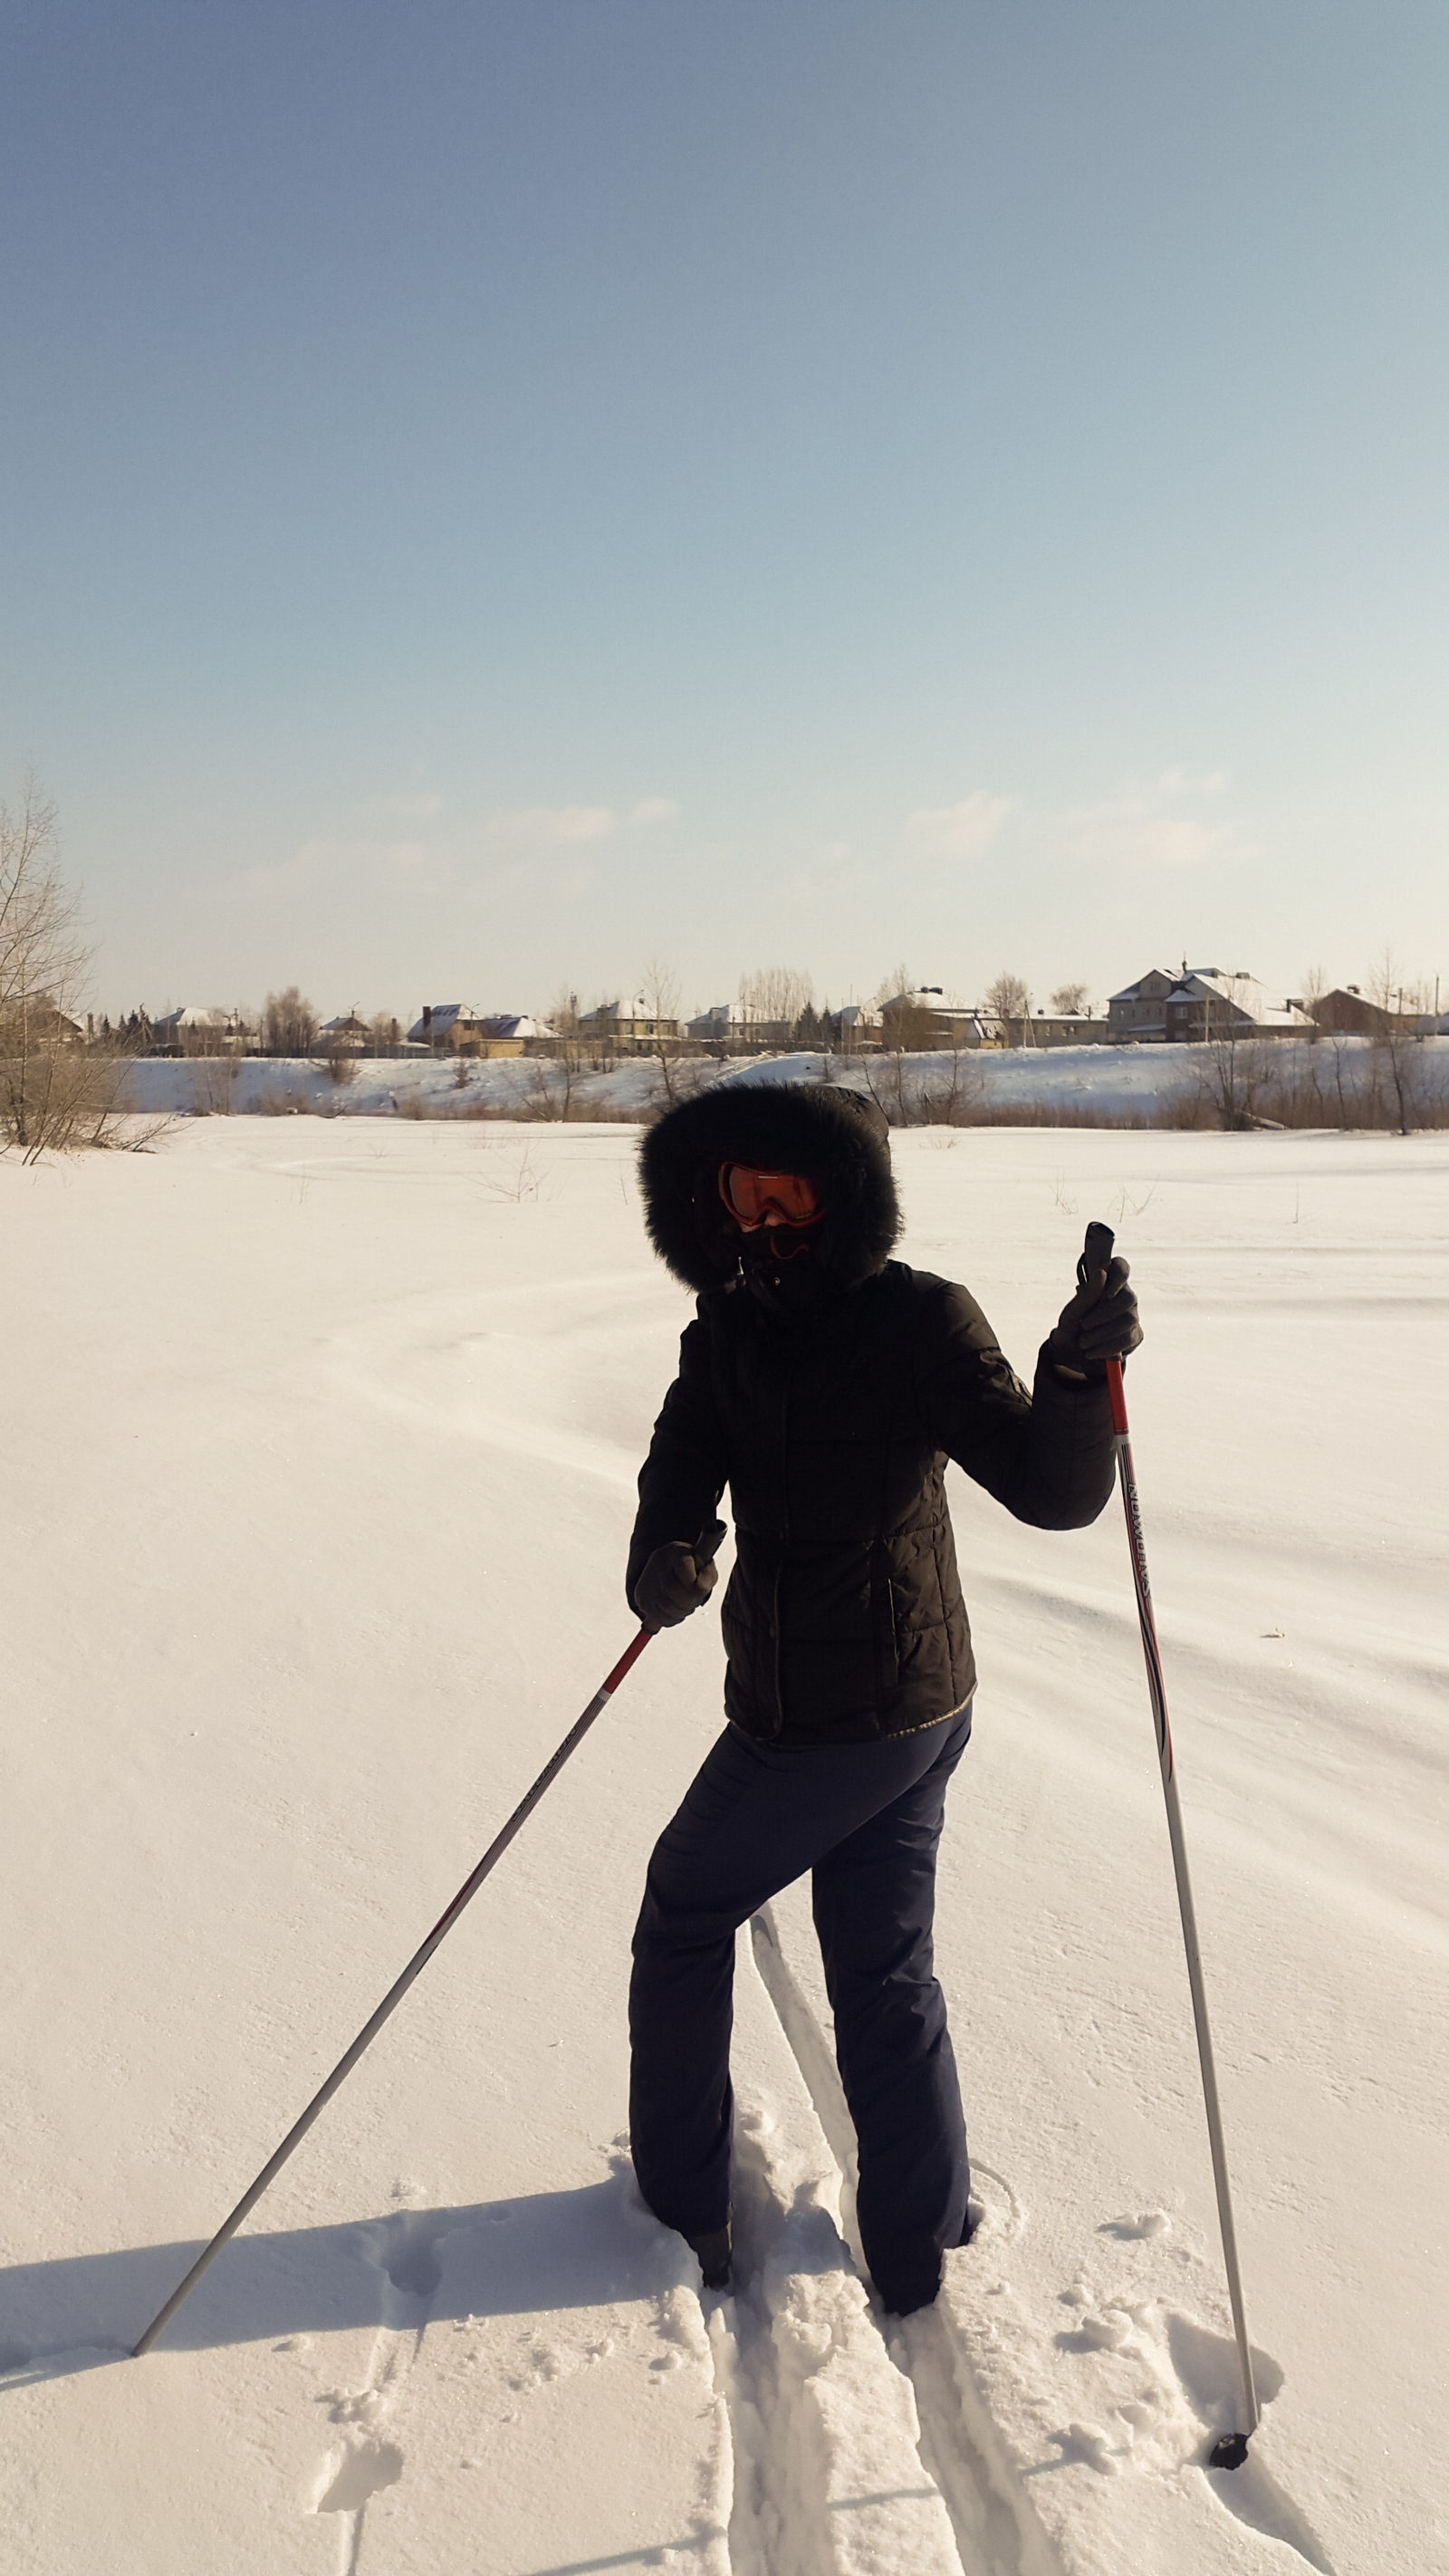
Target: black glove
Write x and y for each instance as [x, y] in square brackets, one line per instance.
[1100, 1323]
[674, 1582]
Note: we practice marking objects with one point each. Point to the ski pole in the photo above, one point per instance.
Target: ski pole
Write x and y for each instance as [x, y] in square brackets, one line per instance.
[704, 1552]
[1232, 2449]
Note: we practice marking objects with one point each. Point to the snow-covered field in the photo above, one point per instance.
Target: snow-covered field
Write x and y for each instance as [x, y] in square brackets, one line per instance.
[1095, 1081]
[320, 1440]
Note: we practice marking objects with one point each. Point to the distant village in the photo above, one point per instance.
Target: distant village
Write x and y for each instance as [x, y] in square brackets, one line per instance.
[1192, 1005]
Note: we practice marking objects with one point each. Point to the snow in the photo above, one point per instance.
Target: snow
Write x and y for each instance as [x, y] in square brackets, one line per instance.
[321, 1438]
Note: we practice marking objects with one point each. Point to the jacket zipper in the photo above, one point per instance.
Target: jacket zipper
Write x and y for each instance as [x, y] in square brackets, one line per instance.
[785, 1539]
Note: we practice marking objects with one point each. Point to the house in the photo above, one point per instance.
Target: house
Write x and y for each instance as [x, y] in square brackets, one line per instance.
[1344, 1012]
[716, 1027]
[346, 1035]
[196, 1029]
[926, 1018]
[1205, 1003]
[1058, 1029]
[628, 1028]
[444, 1026]
[1136, 1015]
[513, 1033]
[855, 1028]
[45, 1023]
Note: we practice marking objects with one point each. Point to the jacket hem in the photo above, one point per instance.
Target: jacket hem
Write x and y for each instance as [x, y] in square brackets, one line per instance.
[833, 1743]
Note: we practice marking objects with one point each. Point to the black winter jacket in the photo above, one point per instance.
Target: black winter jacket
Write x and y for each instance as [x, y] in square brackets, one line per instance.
[843, 1620]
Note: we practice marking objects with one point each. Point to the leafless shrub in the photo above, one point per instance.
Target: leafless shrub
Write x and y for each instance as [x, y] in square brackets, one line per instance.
[1232, 1076]
[957, 1098]
[213, 1080]
[288, 1104]
[523, 1181]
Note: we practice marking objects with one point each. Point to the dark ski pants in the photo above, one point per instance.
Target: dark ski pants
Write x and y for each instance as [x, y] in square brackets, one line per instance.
[866, 1820]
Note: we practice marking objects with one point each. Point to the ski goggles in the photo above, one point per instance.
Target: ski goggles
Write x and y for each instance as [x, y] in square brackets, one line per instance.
[755, 1198]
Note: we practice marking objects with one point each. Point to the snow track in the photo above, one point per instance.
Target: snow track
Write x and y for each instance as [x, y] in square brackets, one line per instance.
[984, 2522]
[981, 2402]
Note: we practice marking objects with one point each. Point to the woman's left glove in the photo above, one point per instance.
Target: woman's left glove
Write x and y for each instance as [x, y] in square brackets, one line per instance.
[1099, 1325]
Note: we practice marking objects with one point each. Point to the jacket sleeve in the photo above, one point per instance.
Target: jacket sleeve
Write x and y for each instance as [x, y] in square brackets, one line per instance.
[686, 1471]
[1048, 1455]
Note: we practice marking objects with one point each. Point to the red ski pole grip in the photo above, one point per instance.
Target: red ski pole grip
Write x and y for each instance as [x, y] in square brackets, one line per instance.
[1117, 1397]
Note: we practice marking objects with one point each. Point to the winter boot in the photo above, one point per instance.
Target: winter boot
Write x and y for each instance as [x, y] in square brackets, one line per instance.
[712, 2254]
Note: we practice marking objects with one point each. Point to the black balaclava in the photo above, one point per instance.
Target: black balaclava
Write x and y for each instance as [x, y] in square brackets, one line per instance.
[778, 1263]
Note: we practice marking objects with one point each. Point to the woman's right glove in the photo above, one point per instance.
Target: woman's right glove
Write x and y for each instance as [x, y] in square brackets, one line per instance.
[674, 1582]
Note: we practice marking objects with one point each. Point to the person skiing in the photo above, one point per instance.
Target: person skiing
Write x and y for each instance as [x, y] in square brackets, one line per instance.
[827, 1385]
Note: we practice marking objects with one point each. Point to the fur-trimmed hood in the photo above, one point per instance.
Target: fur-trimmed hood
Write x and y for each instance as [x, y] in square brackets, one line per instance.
[837, 1138]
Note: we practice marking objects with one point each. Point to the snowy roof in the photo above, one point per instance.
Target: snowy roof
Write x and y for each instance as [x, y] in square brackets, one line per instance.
[195, 1015]
[1132, 992]
[441, 1016]
[1244, 992]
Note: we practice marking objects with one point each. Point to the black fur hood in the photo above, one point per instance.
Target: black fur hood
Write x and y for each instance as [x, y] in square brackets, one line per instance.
[837, 1138]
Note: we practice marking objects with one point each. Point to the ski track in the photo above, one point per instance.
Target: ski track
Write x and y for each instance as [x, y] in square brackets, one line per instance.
[1163, 2427]
[994, 2529]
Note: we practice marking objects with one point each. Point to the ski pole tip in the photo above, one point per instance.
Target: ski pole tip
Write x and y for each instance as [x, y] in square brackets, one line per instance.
[1229, 2451]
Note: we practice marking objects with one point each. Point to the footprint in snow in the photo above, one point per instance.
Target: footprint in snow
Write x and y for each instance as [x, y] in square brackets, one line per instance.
[361, 2474]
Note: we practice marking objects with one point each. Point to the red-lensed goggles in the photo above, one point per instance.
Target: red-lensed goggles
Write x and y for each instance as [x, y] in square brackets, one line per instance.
[755, 1198]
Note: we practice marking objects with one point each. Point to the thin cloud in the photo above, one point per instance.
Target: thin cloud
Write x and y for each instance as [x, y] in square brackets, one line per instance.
[335, 863]
[830, 875]
[420, 807]
[964, 831]
[1141, 824]
[559, 827]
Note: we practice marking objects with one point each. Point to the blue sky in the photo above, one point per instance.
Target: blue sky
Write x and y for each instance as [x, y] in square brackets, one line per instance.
[495, 494]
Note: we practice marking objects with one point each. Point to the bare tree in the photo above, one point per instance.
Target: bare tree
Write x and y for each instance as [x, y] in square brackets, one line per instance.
[905, 1023]
[1315, 985]
[289, 1023]
[43, 958]
[56, 1091]
[659, 993]
[1008, 999]
[772, 999]
[1070, 1000]
[554, 1082]
[1397, 1006]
